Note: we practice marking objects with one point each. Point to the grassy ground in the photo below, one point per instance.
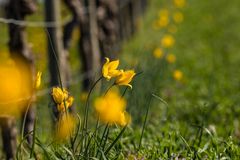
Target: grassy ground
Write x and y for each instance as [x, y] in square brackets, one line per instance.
[193, 117]
[201, 119]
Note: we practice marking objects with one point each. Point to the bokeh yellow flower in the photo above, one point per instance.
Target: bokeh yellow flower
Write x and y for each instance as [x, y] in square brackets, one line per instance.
[65, 127]
[163, 12]
[179, 3]
[178, 17]
[59, 95]
[167, 41]
[111, 109]
[163, 21]
[177, 75]
[158, 53]
[16, 87]
[171, 58]
[109, 69]
[38, 80]
[125, 78]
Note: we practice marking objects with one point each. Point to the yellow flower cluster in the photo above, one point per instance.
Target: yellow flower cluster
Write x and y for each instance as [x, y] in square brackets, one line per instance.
[62, 98]
[109, 70]
[111, 109]
[165, 18]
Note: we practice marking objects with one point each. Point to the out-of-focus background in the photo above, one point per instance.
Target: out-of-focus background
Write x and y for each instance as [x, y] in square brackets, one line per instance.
[186, 52]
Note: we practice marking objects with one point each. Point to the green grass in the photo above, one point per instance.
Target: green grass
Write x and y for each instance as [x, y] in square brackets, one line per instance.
[201, 119]
[196, 118]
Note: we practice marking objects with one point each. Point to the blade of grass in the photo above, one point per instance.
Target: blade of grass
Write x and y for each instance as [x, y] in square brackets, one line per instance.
[145, 121]
[115, 141]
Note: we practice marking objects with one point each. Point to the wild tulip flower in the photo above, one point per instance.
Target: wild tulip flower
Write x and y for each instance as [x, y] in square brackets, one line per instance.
[65, 127]
[125, 78]
[178, 17]
[171, 58]
[167, 41]
[163, 21]
[65, 105]
[38, 80]
[111, 109]
[158, 53]
[177, 75]
[109, 69]
[59, 95]
[179, 3]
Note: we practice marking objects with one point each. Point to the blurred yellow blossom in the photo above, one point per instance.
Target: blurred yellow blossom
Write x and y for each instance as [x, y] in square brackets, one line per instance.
[125, 78]
[109, 69]
[172, 29]
[163, 12]
[167, 41]
[16, 86]
[177, 75]
[59, 95]
[65, 127]
[178, 17]
[162, 21]
[171, 58]
[38, 80]
[158, 53]
[179, 3]
[111, 109]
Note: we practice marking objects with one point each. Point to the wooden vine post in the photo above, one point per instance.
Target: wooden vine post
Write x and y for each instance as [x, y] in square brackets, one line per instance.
[19, 49]
[57, 56]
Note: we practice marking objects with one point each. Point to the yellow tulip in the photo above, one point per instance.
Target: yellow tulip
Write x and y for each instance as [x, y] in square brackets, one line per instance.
[59, 95]
[111, 109]
[163, 21]
[158, 53]
[65, 127]
[177, 75]
[163, 12]
[178, 17]
[16, 87]
[167, 41]
[38, 80]
[179, 3]
[109, 69]
[125, 78]
[171, 58]
[62, 107]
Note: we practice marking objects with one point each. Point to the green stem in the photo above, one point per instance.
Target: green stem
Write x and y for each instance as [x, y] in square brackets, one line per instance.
[109, 89]
[34, 136]
[103, 135]
[25, 117]
[144, 124]
[87, 104]
[115, 141]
